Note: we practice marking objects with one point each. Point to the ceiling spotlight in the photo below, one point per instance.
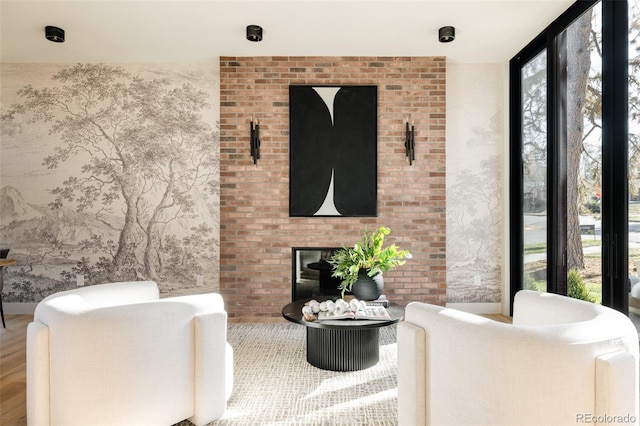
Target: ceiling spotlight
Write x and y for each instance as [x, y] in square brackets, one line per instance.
[254, 33]
[54, 34]
[446, 34]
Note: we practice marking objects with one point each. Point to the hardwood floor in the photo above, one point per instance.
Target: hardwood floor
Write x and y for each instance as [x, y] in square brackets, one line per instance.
[13, 366]
[499, 318]
[13, 370]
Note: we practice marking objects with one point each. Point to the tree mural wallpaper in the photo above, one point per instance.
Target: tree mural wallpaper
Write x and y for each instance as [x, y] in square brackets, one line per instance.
[474, 221]
[109, 173]
[474, 183]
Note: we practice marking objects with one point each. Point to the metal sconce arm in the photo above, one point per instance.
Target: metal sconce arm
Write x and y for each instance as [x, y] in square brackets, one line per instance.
[409, 142]
[255, 140]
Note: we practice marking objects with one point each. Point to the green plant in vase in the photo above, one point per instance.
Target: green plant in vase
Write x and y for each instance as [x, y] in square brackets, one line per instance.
[367, 258]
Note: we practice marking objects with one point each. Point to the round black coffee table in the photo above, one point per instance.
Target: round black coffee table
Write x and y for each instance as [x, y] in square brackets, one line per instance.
[342, 345]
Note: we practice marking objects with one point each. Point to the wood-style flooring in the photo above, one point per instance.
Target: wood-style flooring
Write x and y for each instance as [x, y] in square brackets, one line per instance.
[13, 368]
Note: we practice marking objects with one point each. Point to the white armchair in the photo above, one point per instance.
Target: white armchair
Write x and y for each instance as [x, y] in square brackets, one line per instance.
[117, 354]
[562, 361]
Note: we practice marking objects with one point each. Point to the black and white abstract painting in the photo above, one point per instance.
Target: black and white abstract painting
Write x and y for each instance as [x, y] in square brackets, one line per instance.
[333, 151]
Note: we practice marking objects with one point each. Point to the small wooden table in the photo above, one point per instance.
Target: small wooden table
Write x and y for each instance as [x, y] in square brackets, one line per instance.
[3, 262]
[342, 345]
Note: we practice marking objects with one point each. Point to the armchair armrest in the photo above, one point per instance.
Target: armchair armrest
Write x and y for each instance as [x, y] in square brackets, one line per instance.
[616, 372]
[213, 367]
[38, 374]
[412, 364]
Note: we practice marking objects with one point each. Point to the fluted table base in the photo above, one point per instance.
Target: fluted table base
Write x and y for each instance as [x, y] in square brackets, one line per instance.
[343, 349]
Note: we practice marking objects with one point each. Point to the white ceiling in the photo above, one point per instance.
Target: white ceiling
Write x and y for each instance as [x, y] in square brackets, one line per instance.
[200, 31]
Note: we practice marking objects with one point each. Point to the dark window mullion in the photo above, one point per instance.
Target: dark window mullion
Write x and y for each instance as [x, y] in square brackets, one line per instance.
[557, 174]
[516, 179]
[615, 229]
[516, 237]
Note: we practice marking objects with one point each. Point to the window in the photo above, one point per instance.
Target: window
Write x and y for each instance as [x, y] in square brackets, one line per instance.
[569, 227]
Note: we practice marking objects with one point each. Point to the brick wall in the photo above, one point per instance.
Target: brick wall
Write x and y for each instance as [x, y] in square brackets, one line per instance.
[256, 232]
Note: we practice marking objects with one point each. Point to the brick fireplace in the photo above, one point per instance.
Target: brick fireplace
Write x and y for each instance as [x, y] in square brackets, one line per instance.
[256, 233]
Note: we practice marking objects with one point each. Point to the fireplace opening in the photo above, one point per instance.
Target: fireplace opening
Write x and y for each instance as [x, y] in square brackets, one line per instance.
[311, 273]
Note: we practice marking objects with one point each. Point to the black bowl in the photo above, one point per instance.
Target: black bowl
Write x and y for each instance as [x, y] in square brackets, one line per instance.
[4, 253]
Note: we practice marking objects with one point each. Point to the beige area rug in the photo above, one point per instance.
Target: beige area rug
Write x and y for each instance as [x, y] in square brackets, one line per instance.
[274, 384]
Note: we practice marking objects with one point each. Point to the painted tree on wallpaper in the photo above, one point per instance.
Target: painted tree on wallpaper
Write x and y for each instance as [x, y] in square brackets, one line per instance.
[148, 160]
[474, 220]
[475, 157]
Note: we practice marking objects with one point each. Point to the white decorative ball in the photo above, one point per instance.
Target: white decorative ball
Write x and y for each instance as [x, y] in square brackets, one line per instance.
[331, 306]
[354, 305]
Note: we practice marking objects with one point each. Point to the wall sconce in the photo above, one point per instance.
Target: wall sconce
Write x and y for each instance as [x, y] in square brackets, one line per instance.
[255, 140]
[409, 142]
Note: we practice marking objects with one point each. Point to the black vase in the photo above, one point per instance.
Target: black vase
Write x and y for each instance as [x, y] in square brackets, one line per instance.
[366, 287]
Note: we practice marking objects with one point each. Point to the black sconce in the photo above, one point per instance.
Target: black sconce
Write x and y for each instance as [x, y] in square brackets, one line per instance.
[409, 142]
[255, 140]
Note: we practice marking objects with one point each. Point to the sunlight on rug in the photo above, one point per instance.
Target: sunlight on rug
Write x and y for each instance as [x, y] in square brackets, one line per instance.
[274, 384]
